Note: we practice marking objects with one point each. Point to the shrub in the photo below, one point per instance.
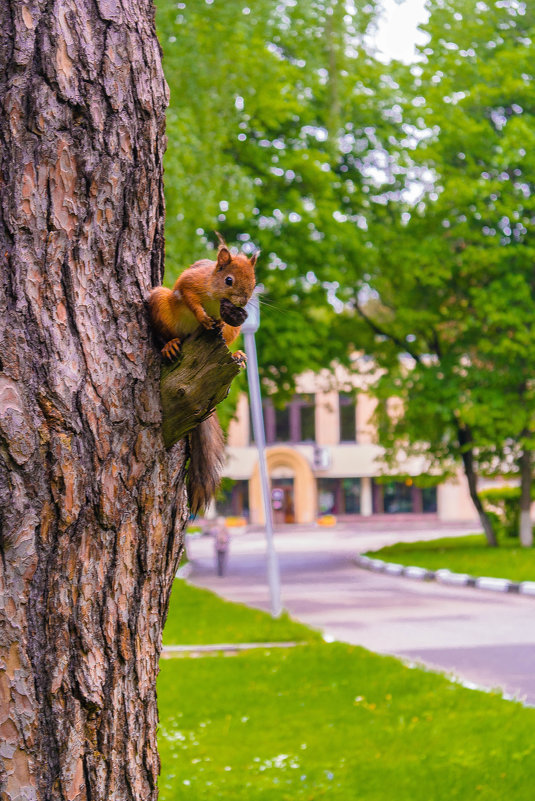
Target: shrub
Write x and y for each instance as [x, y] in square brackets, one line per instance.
[502, 505]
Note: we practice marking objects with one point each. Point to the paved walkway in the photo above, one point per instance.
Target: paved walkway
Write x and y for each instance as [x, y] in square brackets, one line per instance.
[484, 638]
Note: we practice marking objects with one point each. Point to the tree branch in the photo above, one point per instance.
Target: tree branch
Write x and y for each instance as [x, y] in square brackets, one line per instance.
[192, 386]
[381, 331]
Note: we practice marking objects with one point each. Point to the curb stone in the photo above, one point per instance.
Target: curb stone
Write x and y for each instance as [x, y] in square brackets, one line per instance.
[181, 650]
[445, 576]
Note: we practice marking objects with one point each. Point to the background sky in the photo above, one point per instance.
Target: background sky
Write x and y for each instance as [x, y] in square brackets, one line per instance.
[397, 29]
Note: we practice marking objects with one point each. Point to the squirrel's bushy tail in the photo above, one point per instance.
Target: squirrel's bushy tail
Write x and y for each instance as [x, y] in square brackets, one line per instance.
[207, 455]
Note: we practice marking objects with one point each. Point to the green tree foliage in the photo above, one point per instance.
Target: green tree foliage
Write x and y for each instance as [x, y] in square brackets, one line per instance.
[270, 119]
[452, 283]
[393, 205]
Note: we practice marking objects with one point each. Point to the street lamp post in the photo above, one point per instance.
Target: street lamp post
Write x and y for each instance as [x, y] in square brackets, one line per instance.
[249, 328]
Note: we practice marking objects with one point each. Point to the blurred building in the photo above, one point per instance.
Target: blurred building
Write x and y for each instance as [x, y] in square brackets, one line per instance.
[322, 458]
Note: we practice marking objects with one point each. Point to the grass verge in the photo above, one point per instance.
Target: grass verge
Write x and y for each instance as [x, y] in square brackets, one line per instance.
[324, 720]
[465, 555]
[335, 721]
[199, 617]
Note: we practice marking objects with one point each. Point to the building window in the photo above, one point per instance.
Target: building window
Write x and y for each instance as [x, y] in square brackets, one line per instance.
[392, 497]
[304, 419]
[282, 425]
[233, 498]
[429, 500]
[397, 498]
[339, 496]
[402, 497]
[328, 496]
[351, 495]
[348, 426]
[295, 422]
[276, 423]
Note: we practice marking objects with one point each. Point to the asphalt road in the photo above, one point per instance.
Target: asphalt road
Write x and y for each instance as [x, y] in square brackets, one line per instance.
[483, 638]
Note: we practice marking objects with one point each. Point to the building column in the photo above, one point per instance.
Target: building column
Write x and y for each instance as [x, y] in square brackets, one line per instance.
[366, 501]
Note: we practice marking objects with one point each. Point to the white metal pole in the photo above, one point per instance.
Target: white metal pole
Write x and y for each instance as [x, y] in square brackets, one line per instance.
[273, 570]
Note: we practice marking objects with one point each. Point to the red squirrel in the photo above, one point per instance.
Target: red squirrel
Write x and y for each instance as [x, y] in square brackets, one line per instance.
[196, 300]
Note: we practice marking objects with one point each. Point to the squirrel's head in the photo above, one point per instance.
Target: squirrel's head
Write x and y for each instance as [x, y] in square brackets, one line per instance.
[234, 277]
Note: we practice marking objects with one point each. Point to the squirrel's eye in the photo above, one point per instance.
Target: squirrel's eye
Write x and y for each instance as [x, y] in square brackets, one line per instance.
[229, 280]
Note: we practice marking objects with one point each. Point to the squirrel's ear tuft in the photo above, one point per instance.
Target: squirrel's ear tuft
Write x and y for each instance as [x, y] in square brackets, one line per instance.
[222, 243]
[223, 254]
[254, 257]
[223, 257]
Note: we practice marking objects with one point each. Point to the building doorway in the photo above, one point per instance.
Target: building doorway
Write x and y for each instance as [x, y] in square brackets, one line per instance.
[290, 472]
[282, 500]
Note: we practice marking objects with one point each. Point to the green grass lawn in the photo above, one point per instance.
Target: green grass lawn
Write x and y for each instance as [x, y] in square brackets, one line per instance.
[198, 617]
[325, 720]
[334, 721]
[465, 555]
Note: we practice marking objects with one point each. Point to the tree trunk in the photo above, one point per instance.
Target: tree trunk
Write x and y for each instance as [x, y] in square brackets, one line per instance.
[93, 507]
[334, 38]
[526, 527]
[467, 453]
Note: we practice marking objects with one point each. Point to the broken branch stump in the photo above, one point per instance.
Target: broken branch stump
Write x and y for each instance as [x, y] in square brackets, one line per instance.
[192, 386]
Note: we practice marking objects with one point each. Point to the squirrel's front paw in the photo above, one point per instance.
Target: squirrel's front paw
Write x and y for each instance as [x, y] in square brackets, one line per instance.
[171, 350]
[208, 322]
[217, 327]
[240, 358]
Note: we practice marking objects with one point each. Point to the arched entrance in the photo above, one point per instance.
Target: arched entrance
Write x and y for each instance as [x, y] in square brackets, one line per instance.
[282, 495]
[290, 473]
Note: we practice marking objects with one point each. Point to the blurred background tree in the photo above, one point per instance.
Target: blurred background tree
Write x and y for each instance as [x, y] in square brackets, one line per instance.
[271, 118]
[393, 204]
[453, 282]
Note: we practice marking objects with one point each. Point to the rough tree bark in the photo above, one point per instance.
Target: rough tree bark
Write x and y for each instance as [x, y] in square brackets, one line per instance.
[93, 506]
